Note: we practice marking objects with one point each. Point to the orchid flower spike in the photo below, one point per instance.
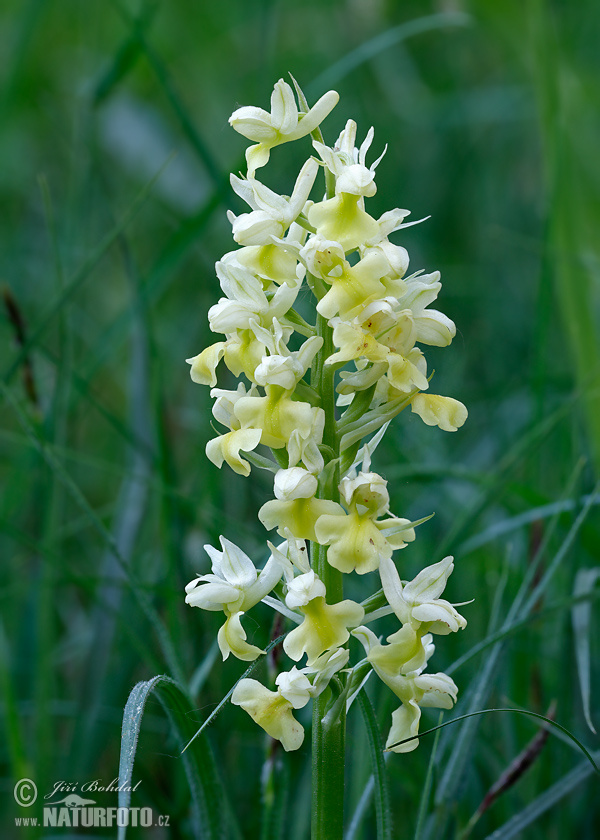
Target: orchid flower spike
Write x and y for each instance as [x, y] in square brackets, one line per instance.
[319, 317]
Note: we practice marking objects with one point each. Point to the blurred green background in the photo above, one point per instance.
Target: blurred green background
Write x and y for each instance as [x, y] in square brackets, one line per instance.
[115, 153]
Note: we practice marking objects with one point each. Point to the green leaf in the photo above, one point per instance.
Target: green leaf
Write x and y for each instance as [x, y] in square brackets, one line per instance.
[209, 812]
[581, 615]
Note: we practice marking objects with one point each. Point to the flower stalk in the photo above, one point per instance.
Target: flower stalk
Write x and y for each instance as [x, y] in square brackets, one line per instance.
[328, 737]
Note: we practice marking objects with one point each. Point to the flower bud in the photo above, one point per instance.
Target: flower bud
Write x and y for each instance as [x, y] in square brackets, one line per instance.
[304, 589]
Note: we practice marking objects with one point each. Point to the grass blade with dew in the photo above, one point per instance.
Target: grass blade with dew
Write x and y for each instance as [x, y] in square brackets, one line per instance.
[550, 721]
[511, 775]
[225, 699]
[207, 793]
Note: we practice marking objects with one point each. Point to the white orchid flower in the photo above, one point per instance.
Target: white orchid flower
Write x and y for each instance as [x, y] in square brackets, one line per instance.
[283, 124]
[227, 447]
[348, 163]
[273, 263]
[294, 483]
[418, 603]
[286, 368]
[272, 214]
[279, 416]
[234, 586]
[437, 691]
[246, 300]
[324, 667]
[400, 665]
[272, 710]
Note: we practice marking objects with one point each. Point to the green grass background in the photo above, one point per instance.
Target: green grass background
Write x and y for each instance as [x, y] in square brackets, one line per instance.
[115, 153]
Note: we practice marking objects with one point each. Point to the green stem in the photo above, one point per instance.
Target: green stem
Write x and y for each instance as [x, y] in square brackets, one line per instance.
[328, 763]
[328, 737]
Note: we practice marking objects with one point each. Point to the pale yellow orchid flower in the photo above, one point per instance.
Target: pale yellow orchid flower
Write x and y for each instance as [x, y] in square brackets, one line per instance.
[283, 124]
[325, 626]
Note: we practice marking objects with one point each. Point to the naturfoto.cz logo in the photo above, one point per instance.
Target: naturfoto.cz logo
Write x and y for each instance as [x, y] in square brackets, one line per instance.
[75, 811]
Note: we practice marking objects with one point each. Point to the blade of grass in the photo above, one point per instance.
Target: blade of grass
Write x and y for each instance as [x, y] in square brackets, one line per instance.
[551, 723]
[547, 800]
[585, 580]
[461, 744]
[130, 513]
[167, 648]
[502, 470]
[203, 670]
[511, 629]
[360, 810]
[275, 778]
[126, 55]
[511, 624]
[511, 775]
[222, 703]
[369, 49]
[383, 812]
[539, 589]
[54, 429]
[15, 742]
[513, 523]
[156, 281]
[81, 275]
[194, 137]
[28, 23]
[569, 208]
[423, 804]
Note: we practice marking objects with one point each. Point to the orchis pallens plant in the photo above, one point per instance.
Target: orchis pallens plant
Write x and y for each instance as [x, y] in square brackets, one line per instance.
[359, 363]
